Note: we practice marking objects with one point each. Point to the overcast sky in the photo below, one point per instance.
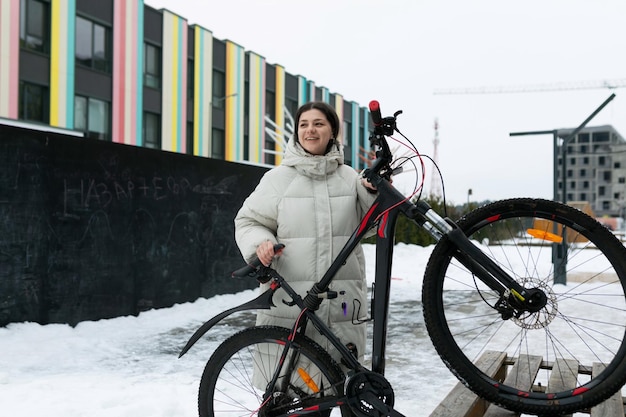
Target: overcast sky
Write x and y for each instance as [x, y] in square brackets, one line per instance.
[401, 52]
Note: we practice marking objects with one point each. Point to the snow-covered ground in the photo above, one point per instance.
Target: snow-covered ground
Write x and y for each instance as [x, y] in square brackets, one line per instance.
[129, 366]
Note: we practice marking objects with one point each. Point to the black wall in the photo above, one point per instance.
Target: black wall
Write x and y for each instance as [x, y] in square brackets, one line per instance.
[91, 230]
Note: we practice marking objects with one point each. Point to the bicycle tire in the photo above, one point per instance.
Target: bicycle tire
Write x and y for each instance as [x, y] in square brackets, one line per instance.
[583, 319]
[235, 377]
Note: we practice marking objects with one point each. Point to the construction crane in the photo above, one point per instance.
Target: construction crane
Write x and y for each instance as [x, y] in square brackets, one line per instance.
[534, 88]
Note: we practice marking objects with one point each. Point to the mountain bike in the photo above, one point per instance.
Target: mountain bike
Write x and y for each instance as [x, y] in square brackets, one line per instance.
[494, 282]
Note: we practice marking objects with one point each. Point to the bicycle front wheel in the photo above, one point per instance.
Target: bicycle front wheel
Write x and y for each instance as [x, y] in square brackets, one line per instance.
[239, 372]
[580, 267]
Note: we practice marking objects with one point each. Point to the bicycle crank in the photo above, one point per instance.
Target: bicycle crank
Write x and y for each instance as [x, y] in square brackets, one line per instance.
[370, 395]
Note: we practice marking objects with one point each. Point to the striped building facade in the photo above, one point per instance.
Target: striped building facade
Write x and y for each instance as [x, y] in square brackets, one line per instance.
[121, 71]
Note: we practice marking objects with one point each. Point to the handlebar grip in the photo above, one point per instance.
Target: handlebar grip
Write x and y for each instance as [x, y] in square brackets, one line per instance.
[377, 118]
[253, 266]
[246, 270]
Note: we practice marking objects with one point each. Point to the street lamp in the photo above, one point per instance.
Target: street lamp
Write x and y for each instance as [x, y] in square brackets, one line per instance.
[559, 250]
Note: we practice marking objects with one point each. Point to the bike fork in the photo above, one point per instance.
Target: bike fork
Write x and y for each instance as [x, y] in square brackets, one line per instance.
[470, 255]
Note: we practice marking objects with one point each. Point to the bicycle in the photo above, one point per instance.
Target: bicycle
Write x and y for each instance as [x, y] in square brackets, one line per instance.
[491, 283]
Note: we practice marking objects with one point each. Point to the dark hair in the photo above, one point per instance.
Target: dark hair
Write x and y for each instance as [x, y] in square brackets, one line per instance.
[328, 111]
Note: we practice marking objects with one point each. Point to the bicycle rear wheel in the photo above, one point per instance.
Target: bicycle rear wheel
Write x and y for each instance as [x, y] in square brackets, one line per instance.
[583, 321]
[239, 371]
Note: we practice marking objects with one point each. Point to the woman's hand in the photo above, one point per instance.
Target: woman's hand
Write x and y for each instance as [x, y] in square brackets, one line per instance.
[265, 252]
[370, 187]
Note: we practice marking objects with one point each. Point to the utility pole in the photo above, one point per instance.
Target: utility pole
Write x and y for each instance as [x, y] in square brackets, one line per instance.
[559, 250]
[435, 181]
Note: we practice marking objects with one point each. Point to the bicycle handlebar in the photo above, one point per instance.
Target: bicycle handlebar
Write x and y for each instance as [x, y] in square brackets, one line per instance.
[375, 112]
[253, 266]
[383, 126]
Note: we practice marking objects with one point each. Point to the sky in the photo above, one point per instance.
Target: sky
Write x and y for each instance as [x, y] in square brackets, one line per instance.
[400, 52]
[129, 366]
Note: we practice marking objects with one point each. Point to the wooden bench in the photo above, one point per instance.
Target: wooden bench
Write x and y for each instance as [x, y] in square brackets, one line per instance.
[461, 402]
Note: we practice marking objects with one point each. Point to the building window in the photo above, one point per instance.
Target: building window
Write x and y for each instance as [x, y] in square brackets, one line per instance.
[219, 89]
[190, 142]
[600, 137]
[583, 197]
[151, 130]
[621, 180]
[292, 106]
[601, 160]
[152, 66]
[583, 172]
[218, 140]
[606, 175]
[601, 190]
[270, 104]
[190, 79]
[93, 45]
[92, 116]
[586, 160]
[34, 103]
[606, 205]
[35, 25]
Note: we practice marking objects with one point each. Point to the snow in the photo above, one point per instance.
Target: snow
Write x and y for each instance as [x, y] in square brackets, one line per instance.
[129, 366]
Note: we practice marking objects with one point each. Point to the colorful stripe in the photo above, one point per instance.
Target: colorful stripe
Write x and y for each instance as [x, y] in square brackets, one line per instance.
[139, 76]
[256, 109]
[235, 64]
[174, 79]
[9, 57]
[203, 91]
[365, 131]
[280, 113]
[303, 91]
[325, 95]
[338, 105]
[127, 72]
[62, 63]
[311, 93]
[356, 135]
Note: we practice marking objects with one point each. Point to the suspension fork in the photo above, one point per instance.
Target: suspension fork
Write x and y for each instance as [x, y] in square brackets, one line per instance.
[472, 257]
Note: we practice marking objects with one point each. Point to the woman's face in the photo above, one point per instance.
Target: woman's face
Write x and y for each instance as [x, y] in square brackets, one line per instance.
[314, 132]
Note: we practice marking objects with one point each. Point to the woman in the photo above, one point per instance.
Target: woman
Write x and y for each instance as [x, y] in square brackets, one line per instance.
[311, 203]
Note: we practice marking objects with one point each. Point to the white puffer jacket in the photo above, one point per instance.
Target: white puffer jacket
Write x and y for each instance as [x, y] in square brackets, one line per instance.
[311, 204]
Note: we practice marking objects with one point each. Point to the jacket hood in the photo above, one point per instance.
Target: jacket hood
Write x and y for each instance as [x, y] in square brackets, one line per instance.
[312, 165]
